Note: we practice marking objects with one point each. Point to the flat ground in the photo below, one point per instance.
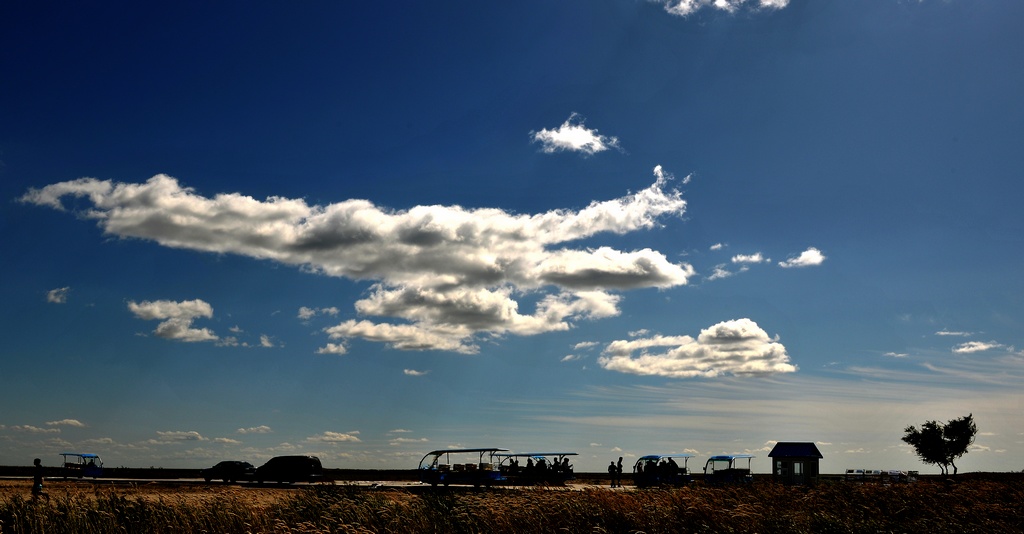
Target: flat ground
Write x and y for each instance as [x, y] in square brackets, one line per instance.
[172, 492]
[991, 504]
[186, 491]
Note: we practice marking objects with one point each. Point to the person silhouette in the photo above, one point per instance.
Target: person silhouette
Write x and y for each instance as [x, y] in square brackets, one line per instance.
[37, 480]
[613, 472]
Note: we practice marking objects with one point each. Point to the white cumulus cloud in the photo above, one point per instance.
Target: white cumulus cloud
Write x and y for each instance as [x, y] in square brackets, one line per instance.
[176, 317]
[736, 347]
[749, 258]
[807, 258]
[332, 348]
[573, 136]
[442, 275]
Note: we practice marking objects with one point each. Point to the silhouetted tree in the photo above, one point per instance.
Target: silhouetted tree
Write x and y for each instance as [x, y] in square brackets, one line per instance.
[941, 444]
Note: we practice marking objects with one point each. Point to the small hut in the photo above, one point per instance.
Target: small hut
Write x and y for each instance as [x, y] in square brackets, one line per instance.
[795, 462]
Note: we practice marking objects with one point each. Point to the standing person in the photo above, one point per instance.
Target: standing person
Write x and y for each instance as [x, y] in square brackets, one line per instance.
[613, 472]
[37, 480]
[618, 472]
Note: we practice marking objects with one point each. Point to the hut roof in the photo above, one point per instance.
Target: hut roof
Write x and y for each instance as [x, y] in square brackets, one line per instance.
[795, 449]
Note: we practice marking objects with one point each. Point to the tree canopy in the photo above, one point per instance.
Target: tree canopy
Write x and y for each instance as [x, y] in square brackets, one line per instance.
[941, 444]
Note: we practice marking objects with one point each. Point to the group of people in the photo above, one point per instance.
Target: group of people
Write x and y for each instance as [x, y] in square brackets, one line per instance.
[649, 471]
[665, 468]
[539, 467]
[615, 470]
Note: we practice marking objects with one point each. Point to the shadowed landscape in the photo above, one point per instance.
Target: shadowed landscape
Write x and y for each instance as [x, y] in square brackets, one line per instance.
[977, 503]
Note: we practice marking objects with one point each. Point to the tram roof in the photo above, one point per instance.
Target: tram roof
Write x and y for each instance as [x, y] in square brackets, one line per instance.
[440, 452]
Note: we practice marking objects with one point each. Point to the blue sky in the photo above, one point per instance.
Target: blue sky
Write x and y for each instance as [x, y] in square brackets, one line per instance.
[616, 227]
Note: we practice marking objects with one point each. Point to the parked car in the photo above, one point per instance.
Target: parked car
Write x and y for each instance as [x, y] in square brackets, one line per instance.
[229, 471]
[290, 469]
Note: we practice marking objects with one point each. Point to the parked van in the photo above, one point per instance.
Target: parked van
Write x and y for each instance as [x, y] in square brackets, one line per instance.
[290, 469]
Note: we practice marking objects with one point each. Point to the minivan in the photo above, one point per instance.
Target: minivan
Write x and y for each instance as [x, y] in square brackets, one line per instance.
[290, 469]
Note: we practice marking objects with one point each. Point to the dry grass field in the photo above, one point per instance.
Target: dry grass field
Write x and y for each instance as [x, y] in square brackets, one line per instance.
[968, 506]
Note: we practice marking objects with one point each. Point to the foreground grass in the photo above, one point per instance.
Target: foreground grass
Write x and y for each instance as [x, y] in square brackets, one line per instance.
[975, 506]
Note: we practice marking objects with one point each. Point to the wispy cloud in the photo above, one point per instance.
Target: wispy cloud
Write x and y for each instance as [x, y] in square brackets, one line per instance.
[58, 296]
[66, 422]
[720, 272]
[807, 258]
[737, 347]
[35, 429]
[406, 441]
[956, 334]
[262, 429]
[689, 7]
[573, 136]
[177, 318]
[336, 437]
[414, 372]
[178, 435]
[308, 313]
[445, 274]
[977, 346]
[107, 442]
